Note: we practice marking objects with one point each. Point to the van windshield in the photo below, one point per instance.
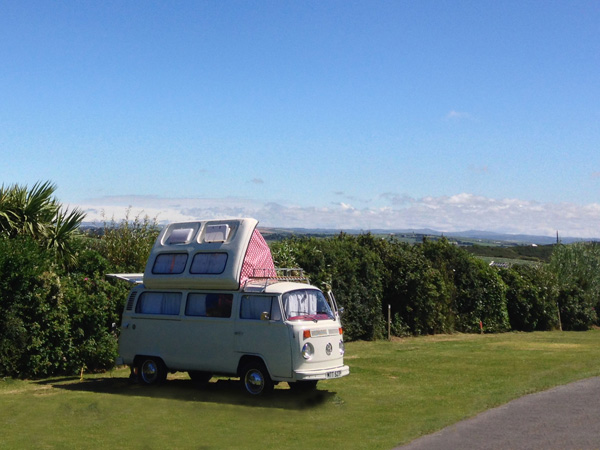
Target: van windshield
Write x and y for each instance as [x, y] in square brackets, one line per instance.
[306, 304]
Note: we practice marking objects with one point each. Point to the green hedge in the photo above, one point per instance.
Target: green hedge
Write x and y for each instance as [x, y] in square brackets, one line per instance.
[51, 322]
[431, 288]
[55, 320]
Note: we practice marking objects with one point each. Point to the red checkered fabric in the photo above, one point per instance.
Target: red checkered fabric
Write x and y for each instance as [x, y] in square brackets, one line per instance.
[258, 261]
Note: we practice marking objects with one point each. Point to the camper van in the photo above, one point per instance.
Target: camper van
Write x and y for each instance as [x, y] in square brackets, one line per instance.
[210, 302]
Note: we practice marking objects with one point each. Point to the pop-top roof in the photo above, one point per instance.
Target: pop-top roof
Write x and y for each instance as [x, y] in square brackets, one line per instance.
[210, 254]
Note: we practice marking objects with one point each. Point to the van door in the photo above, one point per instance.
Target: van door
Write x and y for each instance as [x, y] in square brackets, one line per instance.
[206, 334]
[151, 328]
[260, 330]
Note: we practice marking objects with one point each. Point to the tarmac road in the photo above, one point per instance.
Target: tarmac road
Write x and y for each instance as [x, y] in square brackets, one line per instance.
[565, 417]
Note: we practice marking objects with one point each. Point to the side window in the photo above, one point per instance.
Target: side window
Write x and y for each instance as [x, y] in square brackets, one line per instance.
[209, 305]
[169, 263]
[254, 305]
[166, 303]
[208, 263]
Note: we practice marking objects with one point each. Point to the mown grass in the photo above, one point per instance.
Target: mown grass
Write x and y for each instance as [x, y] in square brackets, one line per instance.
[396, 392]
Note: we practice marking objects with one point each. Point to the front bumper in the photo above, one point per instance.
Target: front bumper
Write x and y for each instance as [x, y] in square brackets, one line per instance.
[322, 374]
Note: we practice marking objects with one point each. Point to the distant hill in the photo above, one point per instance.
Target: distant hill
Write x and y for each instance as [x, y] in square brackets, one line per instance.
[473, 236]
[465, 237]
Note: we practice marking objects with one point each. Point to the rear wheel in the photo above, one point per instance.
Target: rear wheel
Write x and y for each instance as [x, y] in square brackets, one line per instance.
[151, 371]
[255, 379]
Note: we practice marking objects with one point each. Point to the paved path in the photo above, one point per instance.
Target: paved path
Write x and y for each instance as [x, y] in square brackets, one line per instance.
[566, 417]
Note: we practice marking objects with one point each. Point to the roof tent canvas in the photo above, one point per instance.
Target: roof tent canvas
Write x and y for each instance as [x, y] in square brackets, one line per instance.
[258, 261]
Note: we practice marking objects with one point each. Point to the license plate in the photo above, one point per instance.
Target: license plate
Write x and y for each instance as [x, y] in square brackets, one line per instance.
[334, 374]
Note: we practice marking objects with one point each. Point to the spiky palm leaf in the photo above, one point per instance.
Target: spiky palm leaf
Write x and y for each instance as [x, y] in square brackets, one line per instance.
[60, 234]
[36, 213]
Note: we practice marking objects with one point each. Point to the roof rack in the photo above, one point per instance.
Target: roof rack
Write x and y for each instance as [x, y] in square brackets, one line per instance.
[261, 278]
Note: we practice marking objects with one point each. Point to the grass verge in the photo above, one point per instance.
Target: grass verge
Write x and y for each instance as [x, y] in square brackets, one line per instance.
[397, 391]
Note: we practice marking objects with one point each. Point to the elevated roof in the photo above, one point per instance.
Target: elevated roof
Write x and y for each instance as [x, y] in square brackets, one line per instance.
[207, 254]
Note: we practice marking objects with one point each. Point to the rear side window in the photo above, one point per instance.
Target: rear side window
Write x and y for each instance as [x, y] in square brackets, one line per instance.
[254, 305]
[164, 303]
[209, 305]
[170, 263]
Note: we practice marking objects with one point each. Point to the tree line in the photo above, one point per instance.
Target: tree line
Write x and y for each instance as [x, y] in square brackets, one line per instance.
[437, 287]
[59, 314]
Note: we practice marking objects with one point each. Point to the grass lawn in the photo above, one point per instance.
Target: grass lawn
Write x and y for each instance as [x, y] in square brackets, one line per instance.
[396, 392]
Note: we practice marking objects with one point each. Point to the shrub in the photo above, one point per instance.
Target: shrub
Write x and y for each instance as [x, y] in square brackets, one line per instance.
[577, 312]
[352, 270]
[577, 270]
[531, 297]
[94, 305]
[53, 323]
[414, 290]
[127, 244]
[34, 331]
[477, 291]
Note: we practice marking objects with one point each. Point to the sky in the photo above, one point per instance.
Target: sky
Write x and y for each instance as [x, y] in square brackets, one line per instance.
[450, 115]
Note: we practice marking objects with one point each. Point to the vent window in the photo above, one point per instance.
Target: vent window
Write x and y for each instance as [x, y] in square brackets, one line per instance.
[216, 233]
[131, 300]
[180, 236]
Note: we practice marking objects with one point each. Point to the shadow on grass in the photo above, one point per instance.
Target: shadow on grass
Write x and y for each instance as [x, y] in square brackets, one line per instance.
[218, 391]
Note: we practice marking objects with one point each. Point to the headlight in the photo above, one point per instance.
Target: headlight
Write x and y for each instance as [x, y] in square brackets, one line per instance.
[307, 351]
[342, 348]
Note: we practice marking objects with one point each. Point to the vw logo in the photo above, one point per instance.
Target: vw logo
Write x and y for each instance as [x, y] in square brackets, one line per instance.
[329, 349]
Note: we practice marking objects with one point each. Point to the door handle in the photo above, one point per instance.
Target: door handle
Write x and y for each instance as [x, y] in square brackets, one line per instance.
[238, 333]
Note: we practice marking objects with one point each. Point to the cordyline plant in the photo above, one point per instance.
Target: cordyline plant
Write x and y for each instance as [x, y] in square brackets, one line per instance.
[36, 213]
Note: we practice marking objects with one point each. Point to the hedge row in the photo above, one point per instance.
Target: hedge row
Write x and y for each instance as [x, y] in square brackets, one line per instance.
[55, 320]
[438, 287]
[52, 322]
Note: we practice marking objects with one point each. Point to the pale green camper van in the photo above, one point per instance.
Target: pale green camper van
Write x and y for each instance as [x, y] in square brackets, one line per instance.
[210, 303]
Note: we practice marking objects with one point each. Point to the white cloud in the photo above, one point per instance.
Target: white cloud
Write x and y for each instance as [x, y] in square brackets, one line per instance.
[479, 169]
[457, 115]
[458, 212]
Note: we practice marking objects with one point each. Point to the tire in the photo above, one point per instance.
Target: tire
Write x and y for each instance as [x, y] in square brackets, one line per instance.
[151, 371]
[304, 386]
[255, 379]
[200, 378]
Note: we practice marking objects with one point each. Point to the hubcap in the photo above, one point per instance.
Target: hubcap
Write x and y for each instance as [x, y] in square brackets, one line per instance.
[149, 371]
[254, 382]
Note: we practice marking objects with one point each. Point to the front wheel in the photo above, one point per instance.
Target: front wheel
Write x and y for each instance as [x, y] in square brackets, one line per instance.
[255, 379]
[151, 371]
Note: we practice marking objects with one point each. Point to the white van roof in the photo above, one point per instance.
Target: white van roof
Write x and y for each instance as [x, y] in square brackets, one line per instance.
[208, 254]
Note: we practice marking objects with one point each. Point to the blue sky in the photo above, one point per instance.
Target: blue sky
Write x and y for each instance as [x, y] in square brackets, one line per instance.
[452, 115]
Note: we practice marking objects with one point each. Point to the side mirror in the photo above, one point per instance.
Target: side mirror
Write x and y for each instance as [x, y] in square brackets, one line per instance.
[265, 316]
[341, 310]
